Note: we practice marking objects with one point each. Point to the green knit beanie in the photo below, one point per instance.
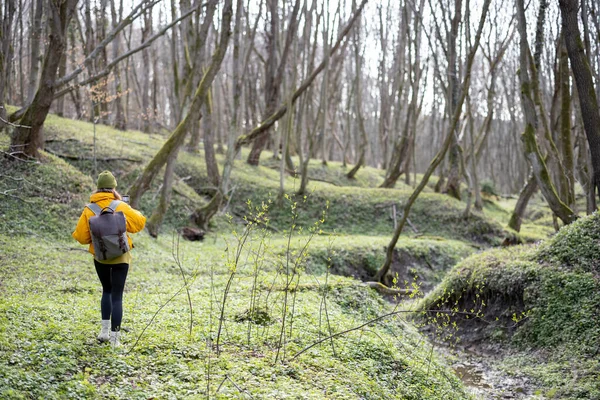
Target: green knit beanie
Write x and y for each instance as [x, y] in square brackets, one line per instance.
[106, 180]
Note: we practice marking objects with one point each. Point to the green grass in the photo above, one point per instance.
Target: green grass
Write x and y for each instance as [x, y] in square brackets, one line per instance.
[49, 310]
[50, 316]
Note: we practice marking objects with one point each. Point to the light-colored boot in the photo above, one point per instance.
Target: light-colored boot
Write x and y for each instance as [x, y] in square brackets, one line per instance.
[103, 335]
[115, 338]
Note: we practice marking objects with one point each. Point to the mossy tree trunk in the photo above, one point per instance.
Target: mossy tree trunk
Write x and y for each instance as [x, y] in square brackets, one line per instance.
[567, 192]
[525, 194]
[28, 138]
[580, 65]
[143, 182]
[439, 157]
[528, 91]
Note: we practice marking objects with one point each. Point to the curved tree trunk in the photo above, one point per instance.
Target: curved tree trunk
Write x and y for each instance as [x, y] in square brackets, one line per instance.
[526, 192]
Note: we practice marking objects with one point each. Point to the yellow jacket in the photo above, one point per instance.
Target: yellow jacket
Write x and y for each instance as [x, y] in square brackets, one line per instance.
[135, 219]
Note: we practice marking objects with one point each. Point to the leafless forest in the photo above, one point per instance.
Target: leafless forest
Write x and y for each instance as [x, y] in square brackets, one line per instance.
[501, 91]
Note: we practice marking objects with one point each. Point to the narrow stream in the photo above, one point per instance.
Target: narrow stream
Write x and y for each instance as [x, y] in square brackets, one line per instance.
[480, 373]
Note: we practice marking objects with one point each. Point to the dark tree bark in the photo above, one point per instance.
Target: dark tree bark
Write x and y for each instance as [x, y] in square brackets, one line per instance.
[532, 151]
[28, 138]
[580, 65]
[7, 12]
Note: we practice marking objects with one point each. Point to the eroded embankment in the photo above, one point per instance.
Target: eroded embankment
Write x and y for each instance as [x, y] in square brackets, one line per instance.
[537, 306]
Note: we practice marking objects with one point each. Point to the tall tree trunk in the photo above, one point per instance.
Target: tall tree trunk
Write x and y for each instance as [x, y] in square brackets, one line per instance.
[75, 93]
[7, 12]
[120, 121]
[143, 182]
[564, 138]
[146, 113]
[28, 138]
[101, 61]
[454, 155]
[358, 99]
[580, 65]
[35, 54]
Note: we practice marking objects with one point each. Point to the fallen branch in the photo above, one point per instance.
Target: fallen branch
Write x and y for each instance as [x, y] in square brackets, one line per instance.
[73, 157]
[27, 159]
[377, 319]
[382, 289]
[6, 193]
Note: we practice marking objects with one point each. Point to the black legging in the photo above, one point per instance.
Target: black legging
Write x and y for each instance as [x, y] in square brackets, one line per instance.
[112, 277]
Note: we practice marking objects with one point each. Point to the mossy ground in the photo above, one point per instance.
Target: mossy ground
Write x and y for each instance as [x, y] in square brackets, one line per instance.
[50, 302]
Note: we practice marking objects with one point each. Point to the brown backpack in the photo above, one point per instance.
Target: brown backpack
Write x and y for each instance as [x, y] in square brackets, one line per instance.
[108, 229]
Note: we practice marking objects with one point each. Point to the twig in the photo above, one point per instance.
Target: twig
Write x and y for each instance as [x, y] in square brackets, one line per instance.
[237, 387]
[221, 384]
[175, 252]
[20, 180]
[11, 124]
[381, 288]
[153, 317]
[5, 193]
[372, 322]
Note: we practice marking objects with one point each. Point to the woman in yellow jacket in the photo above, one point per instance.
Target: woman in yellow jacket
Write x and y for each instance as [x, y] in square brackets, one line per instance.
[113, 272]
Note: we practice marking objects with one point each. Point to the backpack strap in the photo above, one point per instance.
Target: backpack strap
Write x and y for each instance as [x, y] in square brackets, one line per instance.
[114, 204]
[95, 208]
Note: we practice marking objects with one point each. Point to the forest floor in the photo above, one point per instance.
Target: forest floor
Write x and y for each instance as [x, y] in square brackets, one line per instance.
[175, 291]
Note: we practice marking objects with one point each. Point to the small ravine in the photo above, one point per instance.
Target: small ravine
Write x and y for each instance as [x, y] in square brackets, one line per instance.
[480, 373]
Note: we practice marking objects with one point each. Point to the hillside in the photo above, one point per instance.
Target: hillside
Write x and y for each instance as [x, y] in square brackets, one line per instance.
[51, 294]
[542, 302]
[51, 290]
